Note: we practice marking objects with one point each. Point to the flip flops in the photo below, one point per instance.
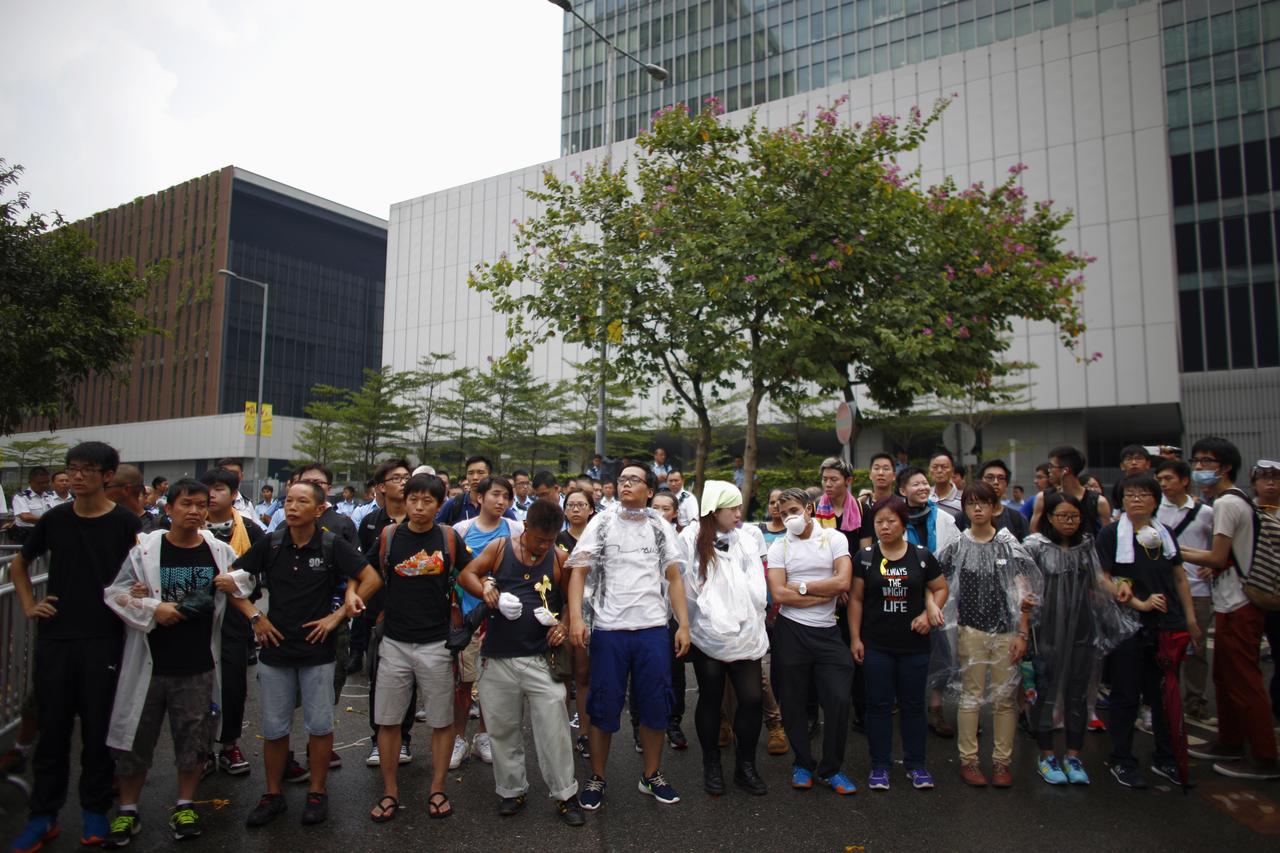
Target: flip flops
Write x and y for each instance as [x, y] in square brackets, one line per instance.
[438, 807]
[385, 810]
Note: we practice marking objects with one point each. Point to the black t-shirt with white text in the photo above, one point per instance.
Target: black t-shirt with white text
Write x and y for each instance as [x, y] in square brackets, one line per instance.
[301, 587]
[418, 577]
[893, 595]
[186, 580]
[85, 556]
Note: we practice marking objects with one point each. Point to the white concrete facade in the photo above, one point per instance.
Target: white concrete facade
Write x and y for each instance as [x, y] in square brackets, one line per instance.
[1082, 105]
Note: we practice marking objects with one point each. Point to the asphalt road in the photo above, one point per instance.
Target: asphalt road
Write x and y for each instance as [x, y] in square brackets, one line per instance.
[1219, 814]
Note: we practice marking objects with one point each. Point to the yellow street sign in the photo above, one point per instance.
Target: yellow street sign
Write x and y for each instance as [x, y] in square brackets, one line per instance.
[266, 420]
[250, 418]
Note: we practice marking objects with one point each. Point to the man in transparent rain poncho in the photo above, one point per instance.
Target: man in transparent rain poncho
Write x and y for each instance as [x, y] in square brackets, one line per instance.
[994, 585]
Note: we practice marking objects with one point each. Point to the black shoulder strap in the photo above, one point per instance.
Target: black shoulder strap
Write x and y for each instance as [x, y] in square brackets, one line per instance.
[1187, 520]
[327, 538]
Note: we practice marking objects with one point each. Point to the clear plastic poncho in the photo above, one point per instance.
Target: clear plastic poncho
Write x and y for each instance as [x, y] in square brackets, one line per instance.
[726, 611]
[987, 583]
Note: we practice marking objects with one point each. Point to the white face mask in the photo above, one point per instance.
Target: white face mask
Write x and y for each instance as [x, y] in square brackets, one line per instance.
[1148, 537]
[795, 524]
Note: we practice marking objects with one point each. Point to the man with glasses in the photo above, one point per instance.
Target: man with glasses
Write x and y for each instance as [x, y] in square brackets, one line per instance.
[996, 475]
[1065, 467]
[523, 485]
[78, 643]
[1243, 705]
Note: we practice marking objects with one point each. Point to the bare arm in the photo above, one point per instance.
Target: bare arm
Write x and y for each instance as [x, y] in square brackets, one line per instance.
[1038, 509]
[838, 583]
[473, 577]
[19, 573]
[675, 589]
[782, 594]
[577, 624]
[1218, 558]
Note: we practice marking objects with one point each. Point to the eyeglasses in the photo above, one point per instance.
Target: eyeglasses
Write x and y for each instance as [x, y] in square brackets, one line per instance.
[994, 478]
[1066, 519]
[324, 484]
[83, 470]
[630, 480]
[397, 478]
[1138, 496]
[577, 505]
[1206, 461]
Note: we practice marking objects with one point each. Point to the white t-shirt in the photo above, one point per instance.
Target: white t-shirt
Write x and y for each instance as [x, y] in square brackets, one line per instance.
[1233, 516]
[1199, 534]
[807, 560]
[628, 552]
[686, 509]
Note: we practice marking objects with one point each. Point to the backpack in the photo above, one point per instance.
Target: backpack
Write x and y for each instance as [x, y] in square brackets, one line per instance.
[326, 545]
[1261, 582]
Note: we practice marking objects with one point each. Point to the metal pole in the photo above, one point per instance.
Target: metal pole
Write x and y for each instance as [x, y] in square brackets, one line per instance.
[262, 361]
[602, 392]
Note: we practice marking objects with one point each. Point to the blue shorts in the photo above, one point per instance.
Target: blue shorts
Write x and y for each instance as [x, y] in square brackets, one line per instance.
[278, 691]
[645, 656]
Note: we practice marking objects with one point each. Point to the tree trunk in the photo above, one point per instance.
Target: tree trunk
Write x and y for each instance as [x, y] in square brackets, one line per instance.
[751, 448]
[702, 452]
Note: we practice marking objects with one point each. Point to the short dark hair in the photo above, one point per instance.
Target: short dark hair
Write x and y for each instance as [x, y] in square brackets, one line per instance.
[155, 481]
[314, 466]
[429, 483]
[40, 469]
[881, 454]
[544, 478]
[471, 460]
[907, 473]
[959, 468]
[220, 477]
[1180, 469]
[650, 478]
[1224, 451]
[267, 487]
[1046, 528]
[1043, 468]
[1134, 450]
[229, 460]
[798, 495]
[980, 492]
[1145, 482]
[95, 453]
[894, 503]
[993, 463]
[942, 451]
[501, 482]
[349, 488]
[186, 486]
[519, 472]
[675, 469]
[386, 467]
[1070, 458]
[545, 517]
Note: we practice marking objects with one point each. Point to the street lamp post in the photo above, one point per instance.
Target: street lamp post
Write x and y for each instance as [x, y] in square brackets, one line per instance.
[262, 361]
[657, 72]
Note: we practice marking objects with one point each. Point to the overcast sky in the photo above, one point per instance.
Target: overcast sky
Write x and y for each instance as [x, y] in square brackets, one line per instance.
[365, 103]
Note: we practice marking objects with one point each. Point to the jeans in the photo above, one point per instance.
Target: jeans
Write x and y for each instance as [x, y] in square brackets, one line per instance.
[748, 692]
[1134, 672]
[235, 686]
[900, 676]
[278, 690]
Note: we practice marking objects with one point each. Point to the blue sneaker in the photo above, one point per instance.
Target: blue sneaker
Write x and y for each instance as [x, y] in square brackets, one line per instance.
[1075, 771]
[1051, 771]
[801, 779]
[35, 834]
[94, 828]
[878, 780]
[841, 784]
[659, 788]
[592, 795]
[921, 779]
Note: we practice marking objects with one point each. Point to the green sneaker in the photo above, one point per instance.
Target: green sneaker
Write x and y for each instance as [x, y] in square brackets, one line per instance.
[185, 823]
[125, 826]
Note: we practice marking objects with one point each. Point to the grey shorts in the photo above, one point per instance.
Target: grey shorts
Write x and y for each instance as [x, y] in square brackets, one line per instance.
[279, 688]
[399, 666]
[186, 699]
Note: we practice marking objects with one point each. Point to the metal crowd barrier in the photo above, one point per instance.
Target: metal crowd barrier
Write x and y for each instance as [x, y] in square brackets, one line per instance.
[17, 642]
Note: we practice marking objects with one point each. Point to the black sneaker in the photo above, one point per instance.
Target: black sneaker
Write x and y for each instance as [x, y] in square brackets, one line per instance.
[268, 809]
[316, 810]
[659, 788]
[570, 812]
[713, 778]
[355, 661]
[1170, 772]
[1216, 752]
[123, 828]
[592, 796]
[583, 746]
[1128, 776]
[185, 823]
[676, 738]
[295, 772]
[511, 805]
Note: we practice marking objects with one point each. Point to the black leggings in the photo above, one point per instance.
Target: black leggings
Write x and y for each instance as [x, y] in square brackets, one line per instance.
[745, 675]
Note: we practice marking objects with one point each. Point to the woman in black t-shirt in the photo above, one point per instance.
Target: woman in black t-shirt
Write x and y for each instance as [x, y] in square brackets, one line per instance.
[896, 600]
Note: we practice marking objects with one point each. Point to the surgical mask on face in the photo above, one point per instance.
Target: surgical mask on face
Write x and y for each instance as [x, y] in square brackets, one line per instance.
[1205, 479]
[795, 524]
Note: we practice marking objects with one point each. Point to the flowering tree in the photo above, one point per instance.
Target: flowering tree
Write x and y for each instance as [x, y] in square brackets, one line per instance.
[779, 258]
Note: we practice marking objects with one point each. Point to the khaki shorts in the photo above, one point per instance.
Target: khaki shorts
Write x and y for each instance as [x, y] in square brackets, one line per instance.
[185, 699]
[399, 666]
[469, 661]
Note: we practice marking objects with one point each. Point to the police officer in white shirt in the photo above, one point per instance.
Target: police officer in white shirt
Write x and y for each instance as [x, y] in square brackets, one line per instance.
[30, 503]
[686, 503]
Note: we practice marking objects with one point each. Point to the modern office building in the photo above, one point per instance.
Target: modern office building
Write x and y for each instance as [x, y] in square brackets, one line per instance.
[182, 404]
[1157, 123]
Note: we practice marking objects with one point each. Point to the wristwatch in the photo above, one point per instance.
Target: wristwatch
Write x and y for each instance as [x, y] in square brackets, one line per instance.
[255, 617]
[803, 588]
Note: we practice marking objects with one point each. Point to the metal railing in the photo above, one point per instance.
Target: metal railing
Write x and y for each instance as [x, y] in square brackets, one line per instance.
[17, 641]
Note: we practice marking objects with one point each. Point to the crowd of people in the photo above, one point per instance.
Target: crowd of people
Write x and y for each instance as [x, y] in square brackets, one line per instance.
[471, 599]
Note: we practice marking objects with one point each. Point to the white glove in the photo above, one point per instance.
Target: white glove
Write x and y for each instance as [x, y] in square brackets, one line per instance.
[544, 617]
[510, 606]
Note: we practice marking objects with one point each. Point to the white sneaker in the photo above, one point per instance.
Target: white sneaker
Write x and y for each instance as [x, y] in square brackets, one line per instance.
[375, 757]
[483, 747]
[420, 715]
[459, 753]
[1143, 723]
[405, 755]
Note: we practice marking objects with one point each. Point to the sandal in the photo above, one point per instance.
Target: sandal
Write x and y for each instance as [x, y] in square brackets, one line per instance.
[438, 809]
[385, 810]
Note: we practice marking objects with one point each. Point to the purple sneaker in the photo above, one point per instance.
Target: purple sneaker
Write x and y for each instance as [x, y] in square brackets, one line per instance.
[920, 778]
[878, 780]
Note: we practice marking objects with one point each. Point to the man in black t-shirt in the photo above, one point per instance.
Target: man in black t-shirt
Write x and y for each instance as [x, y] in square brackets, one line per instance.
[301, 567]
[419, 560]
[78, 641]
[1141, 556]
[166, 598]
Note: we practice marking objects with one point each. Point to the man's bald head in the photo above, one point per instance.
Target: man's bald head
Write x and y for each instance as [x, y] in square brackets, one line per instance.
[125, 488]
[128, 475]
